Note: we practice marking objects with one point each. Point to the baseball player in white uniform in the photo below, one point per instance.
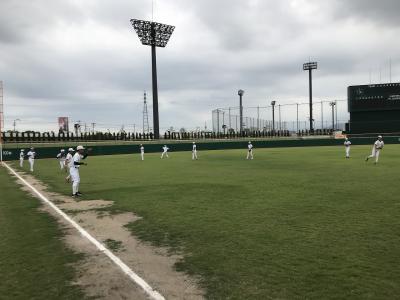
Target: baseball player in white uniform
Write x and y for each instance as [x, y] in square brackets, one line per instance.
[250, 151]
[141, 151]
[194, 151]
[376, 149]
[69, 163]
[61, 159]
[165, 152]
[78, 156]
[347, 145]
[31, 158]
[21, 158]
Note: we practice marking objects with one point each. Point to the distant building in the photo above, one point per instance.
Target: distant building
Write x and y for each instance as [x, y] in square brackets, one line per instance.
[374, 108]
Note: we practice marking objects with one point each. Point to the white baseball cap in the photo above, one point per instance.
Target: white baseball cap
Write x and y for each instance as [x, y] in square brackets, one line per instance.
[62, 150]
[379, 136]
[22, 150]
[80, 148]
[71, 150]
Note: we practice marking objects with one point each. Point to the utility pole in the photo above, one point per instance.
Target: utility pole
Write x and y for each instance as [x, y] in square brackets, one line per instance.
[332, 104]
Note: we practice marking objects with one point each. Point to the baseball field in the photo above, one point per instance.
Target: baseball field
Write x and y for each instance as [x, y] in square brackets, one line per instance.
[294, 223]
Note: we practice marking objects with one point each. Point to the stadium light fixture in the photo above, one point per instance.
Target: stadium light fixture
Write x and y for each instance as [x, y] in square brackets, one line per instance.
[241, 93]
[309, 67]
[273, 115]
[153, 34]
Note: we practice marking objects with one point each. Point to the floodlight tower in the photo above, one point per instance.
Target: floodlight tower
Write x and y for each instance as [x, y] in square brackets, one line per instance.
[155, 35]
[241, 93]
[309, 67]
[273, 115]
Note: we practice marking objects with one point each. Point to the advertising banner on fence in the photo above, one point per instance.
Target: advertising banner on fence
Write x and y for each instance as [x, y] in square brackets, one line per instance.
[63, 124]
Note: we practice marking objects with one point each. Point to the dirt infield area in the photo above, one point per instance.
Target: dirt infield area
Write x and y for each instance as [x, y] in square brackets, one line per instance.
[98, 276]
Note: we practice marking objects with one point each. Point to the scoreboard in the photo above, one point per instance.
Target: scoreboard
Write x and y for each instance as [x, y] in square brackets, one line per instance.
[374, 97]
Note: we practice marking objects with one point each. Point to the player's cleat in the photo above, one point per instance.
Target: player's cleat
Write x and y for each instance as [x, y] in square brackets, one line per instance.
[78, 194]
[366, 159]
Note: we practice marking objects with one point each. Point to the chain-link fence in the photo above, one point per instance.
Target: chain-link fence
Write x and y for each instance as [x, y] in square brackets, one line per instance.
[292, 117]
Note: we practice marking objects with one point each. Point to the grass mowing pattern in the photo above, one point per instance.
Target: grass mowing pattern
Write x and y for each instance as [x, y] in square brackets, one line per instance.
[34, 264]
[295, 223]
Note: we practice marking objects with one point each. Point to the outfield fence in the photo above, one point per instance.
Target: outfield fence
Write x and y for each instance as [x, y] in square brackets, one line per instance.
[154, 147]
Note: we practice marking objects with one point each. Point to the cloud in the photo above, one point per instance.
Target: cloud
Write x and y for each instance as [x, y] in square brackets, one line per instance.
[82, 59]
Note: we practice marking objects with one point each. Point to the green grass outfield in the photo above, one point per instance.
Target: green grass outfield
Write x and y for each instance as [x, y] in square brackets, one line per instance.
[34, 263]
[295, 223]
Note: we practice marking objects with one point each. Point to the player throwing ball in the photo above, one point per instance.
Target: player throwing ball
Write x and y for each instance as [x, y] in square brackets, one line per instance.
[250, 151]
[376, 149]
[76, 179]
[165, 152]
[194, 151]
[347, 145]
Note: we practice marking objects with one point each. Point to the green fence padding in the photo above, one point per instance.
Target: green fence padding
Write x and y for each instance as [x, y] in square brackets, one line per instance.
[51, 152]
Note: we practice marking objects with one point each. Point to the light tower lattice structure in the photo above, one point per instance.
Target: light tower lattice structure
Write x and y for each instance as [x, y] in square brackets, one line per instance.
[146, 127]
[154, 35]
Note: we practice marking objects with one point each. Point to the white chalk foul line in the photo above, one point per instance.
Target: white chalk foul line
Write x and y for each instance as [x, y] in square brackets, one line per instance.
[153, 294]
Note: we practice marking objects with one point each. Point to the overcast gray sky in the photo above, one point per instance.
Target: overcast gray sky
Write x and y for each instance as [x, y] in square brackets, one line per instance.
[82, 59]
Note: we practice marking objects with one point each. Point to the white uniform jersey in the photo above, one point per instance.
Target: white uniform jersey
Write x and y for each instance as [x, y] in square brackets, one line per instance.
[165, 148]
[194, 147]
[250, 146]
[21, 155]
[142, 149]
[77, 158]
[347, 143]
[31, 154]
[61, 156]
[379, 145]
[70, 160]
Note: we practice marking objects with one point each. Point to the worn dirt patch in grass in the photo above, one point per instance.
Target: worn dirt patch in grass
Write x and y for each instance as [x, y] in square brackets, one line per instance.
[97, 275]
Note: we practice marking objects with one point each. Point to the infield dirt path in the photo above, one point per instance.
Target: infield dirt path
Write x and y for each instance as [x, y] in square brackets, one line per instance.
[97, 275]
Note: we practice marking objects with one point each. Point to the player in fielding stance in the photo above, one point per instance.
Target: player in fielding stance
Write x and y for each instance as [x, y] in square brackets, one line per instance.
[61, 159]
[194, 151]
[69, 163]
[376, 149]
[21, 158]
[142, 151]
[250, 151]
[347, 145]
[78, 156]
[31, 158]
[165, 152]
